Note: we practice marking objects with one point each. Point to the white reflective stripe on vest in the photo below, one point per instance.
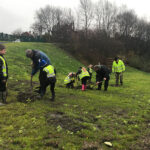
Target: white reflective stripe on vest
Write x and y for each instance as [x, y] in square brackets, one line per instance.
[50, 71]
[3, 67]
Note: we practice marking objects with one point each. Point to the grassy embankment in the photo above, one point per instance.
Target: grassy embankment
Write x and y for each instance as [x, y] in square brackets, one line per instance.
[76, 120]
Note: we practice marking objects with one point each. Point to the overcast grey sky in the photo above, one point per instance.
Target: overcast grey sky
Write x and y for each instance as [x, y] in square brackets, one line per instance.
[16, 14]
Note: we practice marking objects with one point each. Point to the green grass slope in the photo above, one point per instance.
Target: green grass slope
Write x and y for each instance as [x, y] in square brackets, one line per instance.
[76, 120]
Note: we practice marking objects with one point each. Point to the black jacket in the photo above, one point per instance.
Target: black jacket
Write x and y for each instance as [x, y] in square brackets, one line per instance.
[102, 72]
[1, 69]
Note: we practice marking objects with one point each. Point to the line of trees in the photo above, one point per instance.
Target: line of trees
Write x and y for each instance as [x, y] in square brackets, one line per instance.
[95, 31]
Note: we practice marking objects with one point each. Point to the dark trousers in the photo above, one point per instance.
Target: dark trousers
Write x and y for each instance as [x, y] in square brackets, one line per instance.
[119, 75]
[90, 77]
[84, 80]
[70, 85]
[3, 93]
[2, 86]
[44, 83]
[106, 83]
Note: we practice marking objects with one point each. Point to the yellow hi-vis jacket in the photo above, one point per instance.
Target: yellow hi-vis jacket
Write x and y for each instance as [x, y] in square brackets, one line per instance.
[68, 79]
[118, 67]
[90, 70]
[49, 70]
[84, 73]
[4, 67]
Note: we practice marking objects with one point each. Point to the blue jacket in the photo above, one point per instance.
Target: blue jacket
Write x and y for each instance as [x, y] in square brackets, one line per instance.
[38, 55]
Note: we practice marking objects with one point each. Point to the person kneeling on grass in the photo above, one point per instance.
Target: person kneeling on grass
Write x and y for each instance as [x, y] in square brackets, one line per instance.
[69, 80]
[83, 76]
[47, 77]
[102, 73]
[3, 74]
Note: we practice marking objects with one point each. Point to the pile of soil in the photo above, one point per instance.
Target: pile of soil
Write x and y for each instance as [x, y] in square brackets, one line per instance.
[26, 97]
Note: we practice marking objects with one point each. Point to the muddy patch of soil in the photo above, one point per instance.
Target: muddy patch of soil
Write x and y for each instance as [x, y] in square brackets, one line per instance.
[66, 122]
[27, 97]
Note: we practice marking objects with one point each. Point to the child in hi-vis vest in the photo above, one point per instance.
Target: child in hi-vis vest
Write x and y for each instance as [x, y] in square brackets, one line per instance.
[83, 76]
[69, 80]
[47, 77]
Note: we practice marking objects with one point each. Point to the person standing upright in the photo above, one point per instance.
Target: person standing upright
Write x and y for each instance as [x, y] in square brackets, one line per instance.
[3, 74]
[118, 68]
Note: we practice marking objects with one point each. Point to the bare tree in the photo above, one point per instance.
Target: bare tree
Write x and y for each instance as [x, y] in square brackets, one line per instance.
[140, 30]
[37, 28]
[127, 22]
[86, 11]
[17, 32]
[105, 13]
[98, 13]
[46, 18]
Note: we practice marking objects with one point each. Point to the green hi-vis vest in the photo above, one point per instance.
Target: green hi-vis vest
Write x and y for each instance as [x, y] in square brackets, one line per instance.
[50, 71]
[84, 73]
[118, 67]
[4, 67]
[90, 70]
[68, 79]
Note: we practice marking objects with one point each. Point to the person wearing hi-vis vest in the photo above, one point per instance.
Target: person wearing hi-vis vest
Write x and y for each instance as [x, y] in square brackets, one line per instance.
[83, 76]
[3, 74]
[47, 77]
[69, 80]
[118, 68]
[90, 71]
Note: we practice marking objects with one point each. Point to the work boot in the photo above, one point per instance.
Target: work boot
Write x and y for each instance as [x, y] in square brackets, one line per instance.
[4, 96]
[53, 97]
